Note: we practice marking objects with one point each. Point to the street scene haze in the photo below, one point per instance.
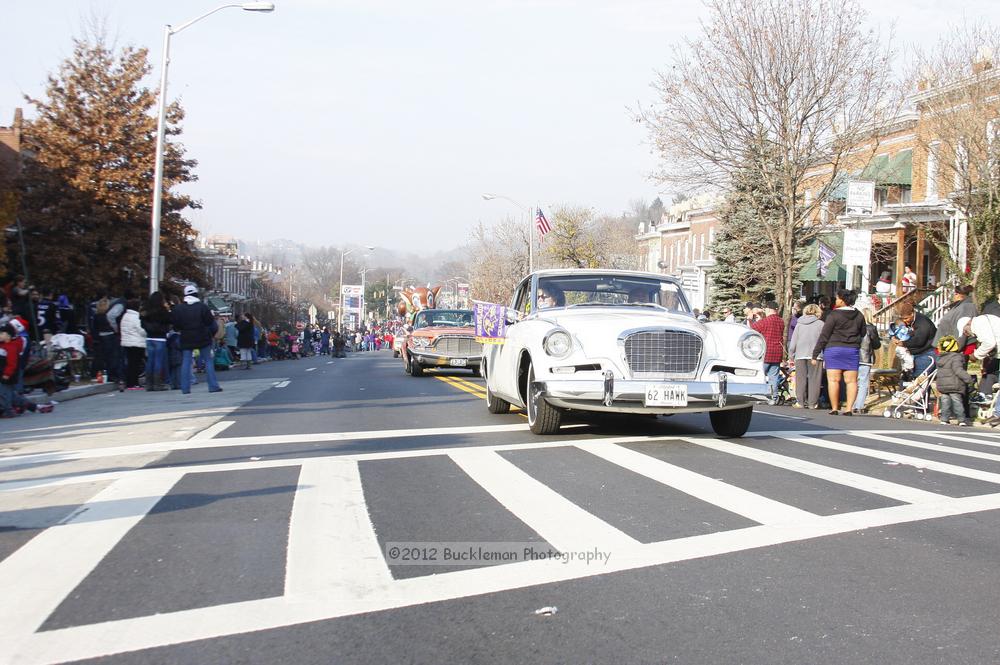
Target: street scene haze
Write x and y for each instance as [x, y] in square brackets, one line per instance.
[515, 331]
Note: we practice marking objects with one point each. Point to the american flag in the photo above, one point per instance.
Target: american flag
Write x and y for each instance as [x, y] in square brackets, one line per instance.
[542, 223]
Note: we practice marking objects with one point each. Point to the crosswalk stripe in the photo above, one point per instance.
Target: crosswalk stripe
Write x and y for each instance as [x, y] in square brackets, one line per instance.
[103, 639]
[830, 474]
[736, 500]
[213, 431]
[965, 439]
[38, 576]
[562, 523]
[331, 541]
[918, 462]
[930, 446]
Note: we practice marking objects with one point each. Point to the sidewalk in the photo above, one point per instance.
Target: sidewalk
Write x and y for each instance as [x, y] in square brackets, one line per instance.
[109, 419]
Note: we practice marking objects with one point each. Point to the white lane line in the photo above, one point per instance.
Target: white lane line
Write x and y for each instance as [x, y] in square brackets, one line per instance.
[329, 362]
[104, 639]
[170, 446]
[213, 431]
[311, 369]
[846, 478]
[562, 523]
[282, 384]
[965, 439]
[332, 546]
[37, 577]
[918, 462]
[14, 485]
[964, 452]
[781, 415]
[736, 500]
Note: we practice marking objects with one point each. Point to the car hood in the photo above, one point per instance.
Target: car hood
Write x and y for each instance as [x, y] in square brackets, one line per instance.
[436, 331]
[602, 322]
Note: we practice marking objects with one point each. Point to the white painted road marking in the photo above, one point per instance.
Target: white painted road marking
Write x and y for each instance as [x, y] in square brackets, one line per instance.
[213, 430]
[332, 548]
[311, 369]
[736, 500]
[329, 518]
[847, 478]
[37, 577]
[562, 523]
[282, 384]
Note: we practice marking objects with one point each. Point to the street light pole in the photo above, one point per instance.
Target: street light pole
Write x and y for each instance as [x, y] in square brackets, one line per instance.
[161, 129]
[340, 315]
[531, 226]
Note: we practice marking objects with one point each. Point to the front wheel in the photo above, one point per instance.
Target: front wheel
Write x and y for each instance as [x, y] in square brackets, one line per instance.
[477, 371]
[415, 368]
[543, 418]
[733, 423]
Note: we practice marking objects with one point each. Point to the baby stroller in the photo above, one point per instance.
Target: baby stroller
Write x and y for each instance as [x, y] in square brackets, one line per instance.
[914, 397]
[785, 394]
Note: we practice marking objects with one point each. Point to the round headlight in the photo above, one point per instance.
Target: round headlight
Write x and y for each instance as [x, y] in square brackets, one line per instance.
[752, 345]
[558, 344]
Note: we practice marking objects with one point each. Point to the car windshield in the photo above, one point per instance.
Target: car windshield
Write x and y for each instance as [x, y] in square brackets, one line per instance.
[609, 290]
[454, 318]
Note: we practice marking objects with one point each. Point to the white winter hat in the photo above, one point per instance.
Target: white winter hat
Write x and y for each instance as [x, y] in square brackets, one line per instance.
[190, 290]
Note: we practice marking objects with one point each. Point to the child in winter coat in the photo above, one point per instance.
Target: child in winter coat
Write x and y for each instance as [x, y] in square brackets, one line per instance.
[952, 381]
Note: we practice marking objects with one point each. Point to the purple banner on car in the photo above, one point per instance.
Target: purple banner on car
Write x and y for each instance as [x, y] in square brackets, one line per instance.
[491, 322]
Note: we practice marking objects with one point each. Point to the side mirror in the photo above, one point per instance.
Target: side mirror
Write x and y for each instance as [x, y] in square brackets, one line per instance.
[511, 317]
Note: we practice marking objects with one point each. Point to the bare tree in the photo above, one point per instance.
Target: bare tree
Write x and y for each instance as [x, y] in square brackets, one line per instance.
[957, 87]
[499, 260]
[776, 87]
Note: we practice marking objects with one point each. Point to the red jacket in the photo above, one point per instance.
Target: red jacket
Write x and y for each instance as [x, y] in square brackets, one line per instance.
[10, 354]
[772, 327]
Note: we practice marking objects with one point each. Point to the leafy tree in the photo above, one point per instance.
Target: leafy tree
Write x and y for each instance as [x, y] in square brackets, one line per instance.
[86, 191]
[572, 242]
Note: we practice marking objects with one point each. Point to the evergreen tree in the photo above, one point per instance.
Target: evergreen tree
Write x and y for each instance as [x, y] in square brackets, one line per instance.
[86, 190]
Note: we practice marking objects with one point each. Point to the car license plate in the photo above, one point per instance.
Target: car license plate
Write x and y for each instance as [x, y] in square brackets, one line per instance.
[458, 362]
[666, 394]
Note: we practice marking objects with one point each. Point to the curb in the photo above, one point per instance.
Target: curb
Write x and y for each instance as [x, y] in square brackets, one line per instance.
[75, 393]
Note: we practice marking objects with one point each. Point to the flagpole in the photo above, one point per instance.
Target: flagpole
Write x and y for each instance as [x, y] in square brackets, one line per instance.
[531, 240]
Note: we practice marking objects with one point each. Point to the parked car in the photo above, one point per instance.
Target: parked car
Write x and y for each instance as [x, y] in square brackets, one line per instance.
[624, 342]
[442, 338]
[398, 340]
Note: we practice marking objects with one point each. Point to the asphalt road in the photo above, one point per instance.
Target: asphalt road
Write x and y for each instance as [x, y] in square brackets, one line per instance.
[338, 511]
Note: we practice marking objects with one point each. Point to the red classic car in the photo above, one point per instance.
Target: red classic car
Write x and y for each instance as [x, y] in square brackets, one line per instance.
[442, 338]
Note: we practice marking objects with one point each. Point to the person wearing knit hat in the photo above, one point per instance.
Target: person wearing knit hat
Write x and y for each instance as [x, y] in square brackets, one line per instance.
[952, 381]
[196, 325]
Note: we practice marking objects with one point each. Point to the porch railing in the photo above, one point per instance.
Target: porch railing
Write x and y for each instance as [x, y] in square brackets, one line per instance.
[931, 303]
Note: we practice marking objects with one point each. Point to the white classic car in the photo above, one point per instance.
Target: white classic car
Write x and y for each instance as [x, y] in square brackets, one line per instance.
[626, 342]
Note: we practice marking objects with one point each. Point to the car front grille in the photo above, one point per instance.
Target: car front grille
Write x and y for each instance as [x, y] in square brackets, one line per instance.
[656, 353]
[452, 345]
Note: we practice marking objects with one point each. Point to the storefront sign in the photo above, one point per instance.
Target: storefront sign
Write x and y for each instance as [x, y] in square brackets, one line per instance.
[860, 197]
[857, 247]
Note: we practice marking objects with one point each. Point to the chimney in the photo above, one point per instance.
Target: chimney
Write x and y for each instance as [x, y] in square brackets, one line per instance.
[983, 61]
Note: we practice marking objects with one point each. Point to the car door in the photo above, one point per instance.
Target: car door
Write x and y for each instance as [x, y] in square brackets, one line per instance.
[502, 363]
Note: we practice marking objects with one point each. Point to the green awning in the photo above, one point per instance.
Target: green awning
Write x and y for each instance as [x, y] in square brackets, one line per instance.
[900, 169]
[830, 248]
[875, 169]
[838, 188]
[884, 170]
[218, 304]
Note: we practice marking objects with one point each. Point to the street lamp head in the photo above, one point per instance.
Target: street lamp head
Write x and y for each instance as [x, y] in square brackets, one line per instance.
[369, 248]
[257, 6]
[489, 197]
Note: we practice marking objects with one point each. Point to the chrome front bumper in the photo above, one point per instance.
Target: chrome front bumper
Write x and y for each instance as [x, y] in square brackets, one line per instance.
[622, 396]
[425, 359]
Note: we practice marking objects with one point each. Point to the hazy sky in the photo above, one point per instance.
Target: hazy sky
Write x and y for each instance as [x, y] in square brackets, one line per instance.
[383, 121]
